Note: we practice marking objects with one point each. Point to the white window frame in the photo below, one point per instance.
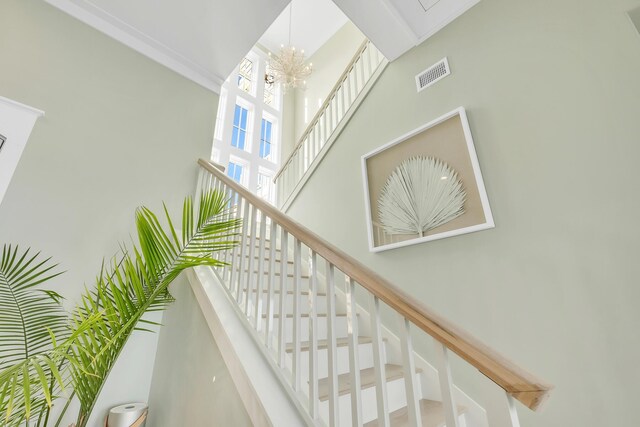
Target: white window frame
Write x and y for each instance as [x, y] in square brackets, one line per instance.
[231, 94]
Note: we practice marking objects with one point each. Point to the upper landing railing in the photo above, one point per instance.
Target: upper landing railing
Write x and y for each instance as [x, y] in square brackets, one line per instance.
[350, 89]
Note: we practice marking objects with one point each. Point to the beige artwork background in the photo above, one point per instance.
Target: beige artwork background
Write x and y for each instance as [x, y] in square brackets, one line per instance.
[445, 141]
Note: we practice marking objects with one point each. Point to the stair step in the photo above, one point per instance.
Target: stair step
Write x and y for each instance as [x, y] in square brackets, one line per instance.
[289, 292]
[266, 258]
[323, 344]
[290, 315]
[432, 415]
[277, 273]
[367, 379]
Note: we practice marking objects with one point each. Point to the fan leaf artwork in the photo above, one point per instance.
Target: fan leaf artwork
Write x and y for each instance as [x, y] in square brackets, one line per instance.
[421, 194]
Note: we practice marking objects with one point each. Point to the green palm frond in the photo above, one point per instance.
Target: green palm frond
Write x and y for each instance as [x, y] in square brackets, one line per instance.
[124, 292]
[31, 320]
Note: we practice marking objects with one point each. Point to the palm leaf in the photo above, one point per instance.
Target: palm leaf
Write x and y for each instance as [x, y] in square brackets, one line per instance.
[422, 193]
[124, 292]
[31, 320]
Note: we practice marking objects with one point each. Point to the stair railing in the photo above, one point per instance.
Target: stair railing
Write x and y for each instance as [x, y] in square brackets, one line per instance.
[323, 129]
[260, 289]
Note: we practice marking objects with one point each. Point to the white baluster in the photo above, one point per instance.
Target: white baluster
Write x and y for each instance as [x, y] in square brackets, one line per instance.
[361, 71]
[313, 336]
[334, 412]
[346, 85]
[235, 213]
[411, 388]
[284, 272]
[243, 249]
[446, 385]
[271, 285]
[368, 69]
[323, 128]
[250, 272]
[514, 421]
[354, 359]
[297, 285]
[353, 82]
[261, 272]
[226, 254]
[379, 362]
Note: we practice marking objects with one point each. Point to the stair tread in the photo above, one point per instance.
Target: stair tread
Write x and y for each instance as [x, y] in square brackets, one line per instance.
[432, 415]
[266, 258]
[290, 315]
[367, 379]
[323, 344]
[289, 292]
[276, 273]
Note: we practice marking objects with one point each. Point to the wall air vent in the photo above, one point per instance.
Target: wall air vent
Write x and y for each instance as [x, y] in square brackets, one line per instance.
[2, 141]
[432, 74]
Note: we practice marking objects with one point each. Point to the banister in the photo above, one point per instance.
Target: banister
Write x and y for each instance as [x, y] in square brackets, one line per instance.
[520, 384]
[323, 107]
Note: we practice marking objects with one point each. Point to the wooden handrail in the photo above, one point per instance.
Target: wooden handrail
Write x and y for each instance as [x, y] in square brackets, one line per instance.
[517, 382]
[324, 105]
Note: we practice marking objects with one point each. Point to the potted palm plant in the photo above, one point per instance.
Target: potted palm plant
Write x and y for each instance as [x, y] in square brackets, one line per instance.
[44, 350]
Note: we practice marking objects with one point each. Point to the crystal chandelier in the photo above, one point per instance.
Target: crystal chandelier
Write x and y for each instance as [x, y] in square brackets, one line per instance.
[288, 67]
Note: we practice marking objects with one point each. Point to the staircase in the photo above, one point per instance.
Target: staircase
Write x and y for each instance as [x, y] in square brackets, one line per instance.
[317, 316]
[343, 100]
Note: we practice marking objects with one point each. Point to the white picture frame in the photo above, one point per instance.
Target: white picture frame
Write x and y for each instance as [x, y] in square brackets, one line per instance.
[16, 123]
[379, 244]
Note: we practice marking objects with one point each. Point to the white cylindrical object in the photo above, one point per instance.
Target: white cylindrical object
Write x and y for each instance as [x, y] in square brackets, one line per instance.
[126, 415]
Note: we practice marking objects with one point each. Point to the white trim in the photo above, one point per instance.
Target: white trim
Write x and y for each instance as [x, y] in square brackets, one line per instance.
[449, 19]
[119, 30]
[16, 123]
[254, 103]
[489, 223]
[26, 108]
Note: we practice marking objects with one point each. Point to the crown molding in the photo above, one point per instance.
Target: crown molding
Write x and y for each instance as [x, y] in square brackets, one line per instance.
[139, 41]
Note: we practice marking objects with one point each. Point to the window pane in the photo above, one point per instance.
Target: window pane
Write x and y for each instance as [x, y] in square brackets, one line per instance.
[242, 136]
[234, 137]
[243, 121]
[236, 116]
[265, 139]
[244, 75]
[235, 172]
[239, 132]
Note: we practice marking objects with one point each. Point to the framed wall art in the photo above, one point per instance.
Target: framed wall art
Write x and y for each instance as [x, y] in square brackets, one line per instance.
[425, 185]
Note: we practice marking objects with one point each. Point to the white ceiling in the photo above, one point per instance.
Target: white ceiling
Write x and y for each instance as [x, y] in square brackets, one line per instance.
[200, 39]
[395, 26]
[204, 40]
[313, 23]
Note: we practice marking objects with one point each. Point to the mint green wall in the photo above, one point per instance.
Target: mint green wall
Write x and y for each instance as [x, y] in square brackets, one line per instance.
[191, 383]
[119, 131]
[552, 90]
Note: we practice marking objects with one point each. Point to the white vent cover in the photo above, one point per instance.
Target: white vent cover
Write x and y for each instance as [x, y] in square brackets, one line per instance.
[433, 74]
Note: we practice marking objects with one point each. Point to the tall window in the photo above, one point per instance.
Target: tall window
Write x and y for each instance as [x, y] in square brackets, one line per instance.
[265, 139]
[247, 133]
[245, 75]
[235, 171]
[239, 135]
